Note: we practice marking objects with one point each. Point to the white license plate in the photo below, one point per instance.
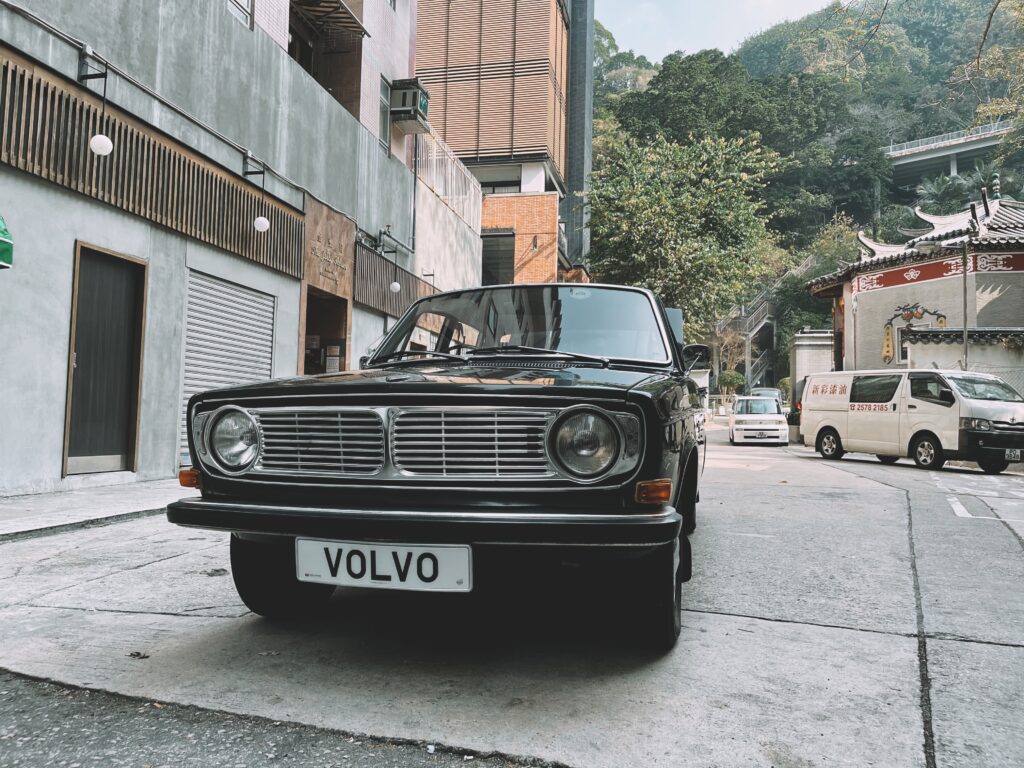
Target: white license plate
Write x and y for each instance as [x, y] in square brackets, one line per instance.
[429, 568]
[761, 435]
[1013, 454]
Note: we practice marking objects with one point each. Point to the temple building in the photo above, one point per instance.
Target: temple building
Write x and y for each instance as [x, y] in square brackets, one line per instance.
[906, 305]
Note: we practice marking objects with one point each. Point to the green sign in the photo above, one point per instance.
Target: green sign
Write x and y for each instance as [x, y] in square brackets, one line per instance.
[6, 246]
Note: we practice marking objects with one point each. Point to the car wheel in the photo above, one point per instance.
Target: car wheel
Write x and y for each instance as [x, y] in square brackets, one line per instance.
[927, 452]
[888, 459]
[829, 445]
[659, 597]
[264, 575]
[993, 466]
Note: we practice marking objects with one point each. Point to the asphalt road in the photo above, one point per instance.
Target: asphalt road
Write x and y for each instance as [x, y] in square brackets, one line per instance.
[841, 613]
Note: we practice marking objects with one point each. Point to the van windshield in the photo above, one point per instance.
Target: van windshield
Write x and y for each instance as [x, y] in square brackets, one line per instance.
[977, 388]
[761, 405]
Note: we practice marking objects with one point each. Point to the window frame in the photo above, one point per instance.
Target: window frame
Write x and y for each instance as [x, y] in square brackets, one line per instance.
[943, 384]
[244, 11]
[385, 109]
[858, 379]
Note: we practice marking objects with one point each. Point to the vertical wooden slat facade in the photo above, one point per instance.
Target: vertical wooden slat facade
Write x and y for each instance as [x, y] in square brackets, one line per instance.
[374, 274]
[496, 71]
[45, 126]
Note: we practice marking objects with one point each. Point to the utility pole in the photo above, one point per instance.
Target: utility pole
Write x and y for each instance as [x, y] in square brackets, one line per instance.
[966, 260]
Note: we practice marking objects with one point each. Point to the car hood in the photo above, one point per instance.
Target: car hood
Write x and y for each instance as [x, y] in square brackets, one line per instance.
[523, 378]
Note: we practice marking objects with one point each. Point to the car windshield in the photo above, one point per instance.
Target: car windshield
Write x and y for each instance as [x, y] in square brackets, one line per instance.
[761, 405]
[602, 322]
[977, 388]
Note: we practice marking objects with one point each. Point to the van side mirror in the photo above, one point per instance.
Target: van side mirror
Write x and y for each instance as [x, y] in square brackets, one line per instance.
[946, 396]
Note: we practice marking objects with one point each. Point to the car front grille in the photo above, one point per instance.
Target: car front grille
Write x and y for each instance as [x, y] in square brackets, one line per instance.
[337, 441]
[471, 442]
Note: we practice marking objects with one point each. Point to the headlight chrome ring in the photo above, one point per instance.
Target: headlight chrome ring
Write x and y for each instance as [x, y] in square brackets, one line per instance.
[585, 443]
[233, 439]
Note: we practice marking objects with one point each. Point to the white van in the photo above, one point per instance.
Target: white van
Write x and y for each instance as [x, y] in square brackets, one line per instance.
[928, 415]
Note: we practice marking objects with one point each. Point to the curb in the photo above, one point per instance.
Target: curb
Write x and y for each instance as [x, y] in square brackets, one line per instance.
[96, 522]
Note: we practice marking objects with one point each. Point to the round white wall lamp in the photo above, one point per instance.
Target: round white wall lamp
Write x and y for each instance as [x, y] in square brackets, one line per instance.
[261, 224]
[101, 145]
[395, 287]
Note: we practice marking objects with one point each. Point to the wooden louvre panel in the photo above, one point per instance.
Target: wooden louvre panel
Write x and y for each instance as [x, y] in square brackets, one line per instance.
[496, 73]
[45, 127]
[374, 274]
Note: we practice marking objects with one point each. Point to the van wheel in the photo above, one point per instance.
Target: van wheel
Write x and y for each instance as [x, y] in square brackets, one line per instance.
[888, 459]
[927, 452]
[829, 445]
[993, 466]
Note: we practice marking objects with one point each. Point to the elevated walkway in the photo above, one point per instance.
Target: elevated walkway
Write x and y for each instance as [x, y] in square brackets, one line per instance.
[946, 153]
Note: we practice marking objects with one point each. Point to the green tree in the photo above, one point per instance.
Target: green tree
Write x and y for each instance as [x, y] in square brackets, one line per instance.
[615, 71]
[835, 246]
[683, 220]
[942, 194]
[730, 381]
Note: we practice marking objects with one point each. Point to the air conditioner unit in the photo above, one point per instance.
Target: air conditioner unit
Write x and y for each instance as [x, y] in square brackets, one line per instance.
[409, 104]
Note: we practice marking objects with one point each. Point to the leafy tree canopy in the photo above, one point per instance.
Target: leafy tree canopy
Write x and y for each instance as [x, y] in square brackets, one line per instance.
[683, 220]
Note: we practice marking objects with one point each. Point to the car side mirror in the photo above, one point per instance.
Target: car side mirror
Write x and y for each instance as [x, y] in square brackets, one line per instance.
[694, 355]
[363, 361]
[946, 396]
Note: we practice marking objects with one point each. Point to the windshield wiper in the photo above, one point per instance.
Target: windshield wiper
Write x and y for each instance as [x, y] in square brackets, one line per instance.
[425, 354]
[520, 349]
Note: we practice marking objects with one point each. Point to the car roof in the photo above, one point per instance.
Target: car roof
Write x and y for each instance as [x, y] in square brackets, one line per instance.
[877, 371]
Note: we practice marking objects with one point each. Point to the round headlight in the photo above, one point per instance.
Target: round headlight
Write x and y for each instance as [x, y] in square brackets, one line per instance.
[235, 440]
[586, 444]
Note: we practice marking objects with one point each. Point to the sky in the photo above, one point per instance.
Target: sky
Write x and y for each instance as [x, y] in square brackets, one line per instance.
[657, 28]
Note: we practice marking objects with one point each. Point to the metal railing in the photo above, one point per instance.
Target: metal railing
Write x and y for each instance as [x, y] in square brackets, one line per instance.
[443, 172]
[953, 137]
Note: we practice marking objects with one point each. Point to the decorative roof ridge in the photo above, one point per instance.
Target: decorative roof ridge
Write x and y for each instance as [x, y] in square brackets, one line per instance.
[946, 220]
[877, 249]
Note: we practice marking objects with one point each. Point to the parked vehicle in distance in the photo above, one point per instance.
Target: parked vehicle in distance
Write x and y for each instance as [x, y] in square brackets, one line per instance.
[767, 392]
[758, 420]
[928, 415]
[529, 422]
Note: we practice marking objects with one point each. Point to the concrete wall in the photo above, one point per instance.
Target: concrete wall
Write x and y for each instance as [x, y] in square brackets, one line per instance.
[368, 326]
[809, 353]
[240, 82]
[445, 244]
[36, 299]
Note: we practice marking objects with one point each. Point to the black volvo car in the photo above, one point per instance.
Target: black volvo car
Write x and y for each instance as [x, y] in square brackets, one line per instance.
[500, 422]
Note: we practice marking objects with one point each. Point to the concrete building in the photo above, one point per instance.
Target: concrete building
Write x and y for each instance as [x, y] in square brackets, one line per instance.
[810, 351]
[510, 84]
[258, 198]
[895, 301]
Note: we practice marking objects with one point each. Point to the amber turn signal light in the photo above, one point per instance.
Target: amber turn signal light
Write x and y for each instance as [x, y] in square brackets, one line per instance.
[654, 491]
[190, 478]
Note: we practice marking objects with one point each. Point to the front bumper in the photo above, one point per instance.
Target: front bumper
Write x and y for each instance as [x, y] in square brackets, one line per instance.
[771, 434]
[976, 443]
[501, 526]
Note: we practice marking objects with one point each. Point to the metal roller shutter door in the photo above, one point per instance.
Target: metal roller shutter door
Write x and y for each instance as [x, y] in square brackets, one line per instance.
[229, 339]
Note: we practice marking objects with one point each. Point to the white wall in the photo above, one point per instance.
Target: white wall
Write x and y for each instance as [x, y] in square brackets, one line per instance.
[35, 297]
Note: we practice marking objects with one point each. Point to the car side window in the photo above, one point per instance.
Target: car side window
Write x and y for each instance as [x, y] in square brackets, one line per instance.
[927, 386]
[874, 389]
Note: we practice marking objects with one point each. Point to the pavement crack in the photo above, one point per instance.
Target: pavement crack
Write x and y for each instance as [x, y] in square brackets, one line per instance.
[961, 639]
[922, 646]
[1008, 527]
[804, 623]
[128, 612]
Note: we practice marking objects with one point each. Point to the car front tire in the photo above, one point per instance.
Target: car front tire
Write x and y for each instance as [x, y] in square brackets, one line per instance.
[264, 576]
[659, 598]
[927, 452]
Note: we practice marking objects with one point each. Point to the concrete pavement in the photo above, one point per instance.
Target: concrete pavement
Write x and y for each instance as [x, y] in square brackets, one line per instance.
[841, 613]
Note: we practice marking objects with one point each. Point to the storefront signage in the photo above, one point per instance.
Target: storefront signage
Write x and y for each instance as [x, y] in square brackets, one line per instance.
[935, 270]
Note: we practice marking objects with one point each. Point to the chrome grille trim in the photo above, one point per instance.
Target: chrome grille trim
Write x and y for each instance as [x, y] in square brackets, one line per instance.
[332, 442]
[471, 442]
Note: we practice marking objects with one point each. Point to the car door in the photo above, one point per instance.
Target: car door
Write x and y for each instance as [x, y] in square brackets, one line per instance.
[930, 406]
[874, 421]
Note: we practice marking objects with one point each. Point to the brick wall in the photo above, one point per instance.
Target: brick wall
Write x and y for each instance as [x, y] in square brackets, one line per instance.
[534, 219]
[272, 17]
